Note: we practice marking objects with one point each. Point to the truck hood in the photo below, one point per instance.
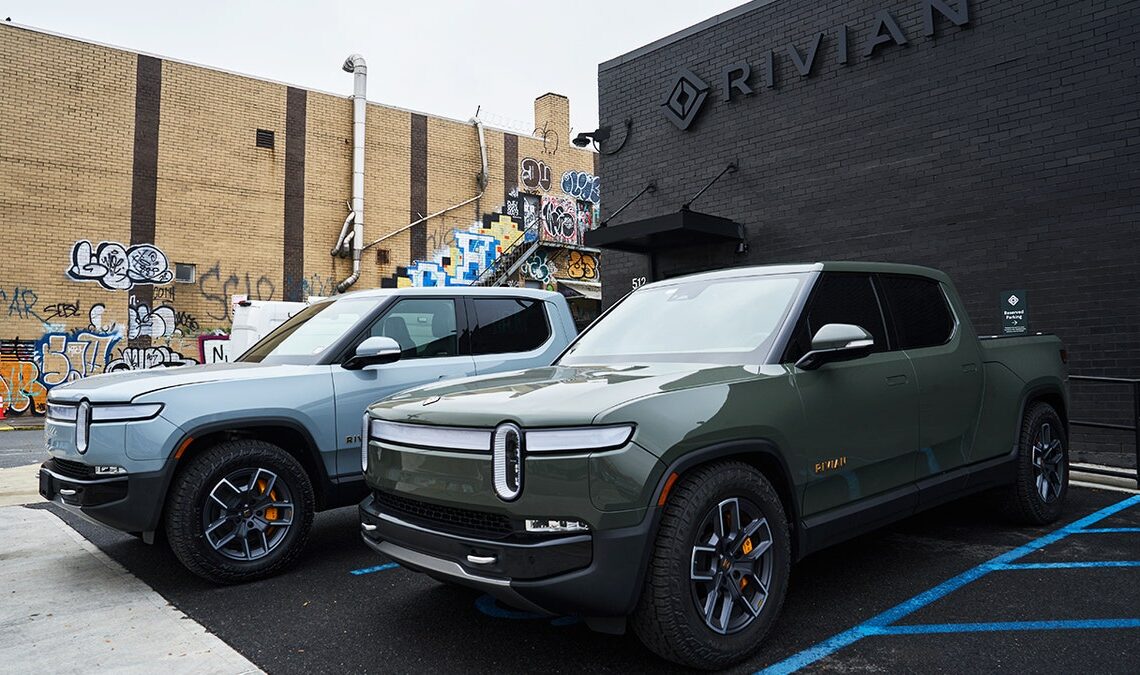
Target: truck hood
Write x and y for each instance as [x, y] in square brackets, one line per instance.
[551, 396]
[123, 386]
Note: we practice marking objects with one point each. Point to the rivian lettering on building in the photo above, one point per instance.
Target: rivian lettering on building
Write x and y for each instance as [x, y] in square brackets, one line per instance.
[686, 93]
[703, 435]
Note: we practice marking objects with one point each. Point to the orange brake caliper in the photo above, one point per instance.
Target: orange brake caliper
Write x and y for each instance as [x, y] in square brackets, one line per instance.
[271, 512]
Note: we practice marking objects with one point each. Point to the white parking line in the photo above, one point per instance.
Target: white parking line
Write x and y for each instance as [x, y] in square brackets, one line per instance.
[65, 607]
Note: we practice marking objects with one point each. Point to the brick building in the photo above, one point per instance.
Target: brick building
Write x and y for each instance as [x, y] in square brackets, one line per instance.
[998, 141]
[140, 194]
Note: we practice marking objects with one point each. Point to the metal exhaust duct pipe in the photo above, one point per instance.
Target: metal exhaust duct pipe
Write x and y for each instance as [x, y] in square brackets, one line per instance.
[355, 64]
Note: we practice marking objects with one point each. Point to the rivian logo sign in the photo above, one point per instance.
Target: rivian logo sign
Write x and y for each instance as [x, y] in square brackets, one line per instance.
[685, 99]
[687, 92]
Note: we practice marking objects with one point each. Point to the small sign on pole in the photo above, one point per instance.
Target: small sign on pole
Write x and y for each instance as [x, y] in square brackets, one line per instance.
[1014, 312]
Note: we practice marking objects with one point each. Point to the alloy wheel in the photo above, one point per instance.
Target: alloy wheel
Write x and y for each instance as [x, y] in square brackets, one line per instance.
[247, 514]
[1048, 463]
[731, 565]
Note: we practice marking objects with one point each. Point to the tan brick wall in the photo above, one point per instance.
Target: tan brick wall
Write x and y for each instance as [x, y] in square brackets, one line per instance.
[66, 168]
[220, 198]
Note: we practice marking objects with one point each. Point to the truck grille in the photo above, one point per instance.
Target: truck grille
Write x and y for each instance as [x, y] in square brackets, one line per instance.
[488, 524]
[71, 469]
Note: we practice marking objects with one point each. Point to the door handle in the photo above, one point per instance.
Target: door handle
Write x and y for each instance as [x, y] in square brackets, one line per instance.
[895, 380]
[969, 367]
[480, 559]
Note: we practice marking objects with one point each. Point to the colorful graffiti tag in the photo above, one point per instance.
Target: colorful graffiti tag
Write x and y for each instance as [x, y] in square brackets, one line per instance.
[582, 265]
[64, 357]
[539, 267]
[581, 185]
[559, 218]
[21, 392]
[471, 252]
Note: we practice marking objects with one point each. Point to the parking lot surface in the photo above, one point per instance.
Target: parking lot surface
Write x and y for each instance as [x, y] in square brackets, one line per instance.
[953, 590]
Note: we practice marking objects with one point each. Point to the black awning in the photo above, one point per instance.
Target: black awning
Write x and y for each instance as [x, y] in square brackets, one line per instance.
[673, 230]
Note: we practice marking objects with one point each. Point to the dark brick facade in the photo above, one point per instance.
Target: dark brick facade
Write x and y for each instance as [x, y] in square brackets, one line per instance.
[1006, 153]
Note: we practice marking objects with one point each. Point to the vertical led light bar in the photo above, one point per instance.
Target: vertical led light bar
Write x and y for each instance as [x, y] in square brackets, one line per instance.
[507, 461]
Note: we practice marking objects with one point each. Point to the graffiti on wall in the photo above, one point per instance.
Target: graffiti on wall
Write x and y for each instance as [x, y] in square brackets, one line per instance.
[582, 265]
[218, 288]
[539, 267]
[581, 185]
[559, 218]
[141, 358]
[472, 250]
[118, 268]
[144, 322]
[21, 391]
[534, 174]
[64, 357]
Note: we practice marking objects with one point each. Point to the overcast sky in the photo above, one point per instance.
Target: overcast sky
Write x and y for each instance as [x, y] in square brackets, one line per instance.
[435, 56]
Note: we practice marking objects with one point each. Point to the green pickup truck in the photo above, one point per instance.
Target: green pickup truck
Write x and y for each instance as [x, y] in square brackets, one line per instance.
[705, 433]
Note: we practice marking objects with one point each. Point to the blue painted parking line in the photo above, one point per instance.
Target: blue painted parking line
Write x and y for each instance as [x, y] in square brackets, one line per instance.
[877, 624]
[1072, 565]
[378, 568]
[1078, 624]
[1109, 530]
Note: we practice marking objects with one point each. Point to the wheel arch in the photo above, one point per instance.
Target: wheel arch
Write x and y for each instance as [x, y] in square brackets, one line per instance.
[1045, 393]
[763, 455]
[284, 433]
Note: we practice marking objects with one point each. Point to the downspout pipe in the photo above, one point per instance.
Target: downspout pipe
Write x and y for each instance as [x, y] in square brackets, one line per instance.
[355, 64]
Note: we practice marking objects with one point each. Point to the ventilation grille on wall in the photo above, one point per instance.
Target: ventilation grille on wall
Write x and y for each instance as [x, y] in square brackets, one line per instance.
[265, 138]
[184, 273]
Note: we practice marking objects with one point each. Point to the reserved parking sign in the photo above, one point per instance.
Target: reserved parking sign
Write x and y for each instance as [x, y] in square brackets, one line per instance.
[1014, 312]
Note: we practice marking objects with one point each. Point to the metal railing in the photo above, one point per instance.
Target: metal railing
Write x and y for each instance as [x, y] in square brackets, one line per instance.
[1134, 384]
[492, 271]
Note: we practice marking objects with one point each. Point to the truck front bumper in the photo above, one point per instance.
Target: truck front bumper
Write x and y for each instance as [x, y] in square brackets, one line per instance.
[593, 574]
[130, 502]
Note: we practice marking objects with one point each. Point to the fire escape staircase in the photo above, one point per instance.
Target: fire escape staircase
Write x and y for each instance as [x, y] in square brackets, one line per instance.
[510, 260]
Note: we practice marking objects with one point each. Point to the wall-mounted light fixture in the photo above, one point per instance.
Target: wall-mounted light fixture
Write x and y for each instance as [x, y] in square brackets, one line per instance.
[600, 135]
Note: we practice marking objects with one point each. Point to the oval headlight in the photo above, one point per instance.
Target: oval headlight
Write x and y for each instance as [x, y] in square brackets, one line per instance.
[82, 426]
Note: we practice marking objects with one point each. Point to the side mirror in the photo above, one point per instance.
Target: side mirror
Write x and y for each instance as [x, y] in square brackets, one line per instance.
[373, 351]
[837, 342]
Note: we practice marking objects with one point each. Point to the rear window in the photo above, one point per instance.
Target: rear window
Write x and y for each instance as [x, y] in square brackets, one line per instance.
[918, 310]
[505, 325]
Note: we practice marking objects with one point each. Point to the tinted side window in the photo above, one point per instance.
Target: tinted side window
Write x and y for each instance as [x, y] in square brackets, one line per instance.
[424, 327]
[840, 298]
[508, 325]
[918, 310]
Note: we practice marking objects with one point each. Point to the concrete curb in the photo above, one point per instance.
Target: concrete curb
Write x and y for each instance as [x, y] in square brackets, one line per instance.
[1094, 480]
[21, 427]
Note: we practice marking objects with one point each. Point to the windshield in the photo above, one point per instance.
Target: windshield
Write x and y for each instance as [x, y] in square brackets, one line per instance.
[304, 337]
[704, 320]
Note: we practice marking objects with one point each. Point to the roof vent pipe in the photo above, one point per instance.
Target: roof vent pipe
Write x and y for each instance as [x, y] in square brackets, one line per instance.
[355, 65]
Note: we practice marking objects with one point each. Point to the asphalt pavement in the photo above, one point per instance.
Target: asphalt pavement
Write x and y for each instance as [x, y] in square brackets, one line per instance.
[1062, 601]
[18, 448]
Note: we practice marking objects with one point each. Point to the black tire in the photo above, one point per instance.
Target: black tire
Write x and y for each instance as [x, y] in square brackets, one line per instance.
[667, 618]
[1026, 501]
[190, 507]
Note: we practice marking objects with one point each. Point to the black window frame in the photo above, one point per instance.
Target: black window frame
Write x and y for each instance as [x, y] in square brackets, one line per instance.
[892, 321]
[473, 321]
[802, 332]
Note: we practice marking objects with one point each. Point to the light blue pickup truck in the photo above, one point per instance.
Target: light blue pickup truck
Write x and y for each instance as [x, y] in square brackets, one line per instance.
[232, 460]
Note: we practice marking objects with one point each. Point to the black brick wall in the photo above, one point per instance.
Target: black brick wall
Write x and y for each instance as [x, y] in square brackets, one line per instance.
[1006, 153]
